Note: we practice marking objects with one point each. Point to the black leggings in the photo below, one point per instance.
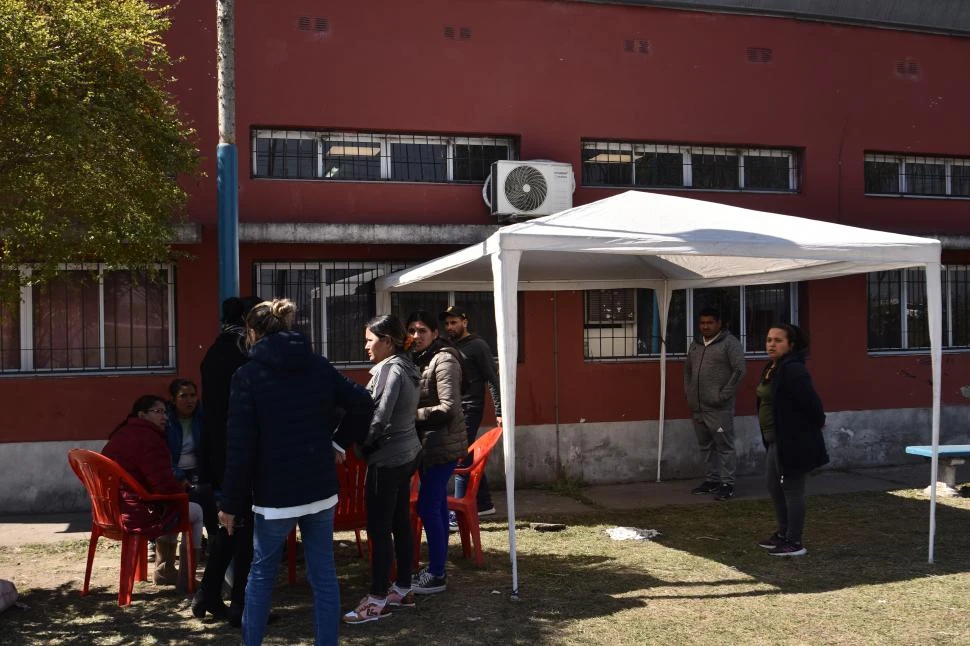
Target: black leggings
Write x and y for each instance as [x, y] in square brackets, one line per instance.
[788, 495]
[389, 513]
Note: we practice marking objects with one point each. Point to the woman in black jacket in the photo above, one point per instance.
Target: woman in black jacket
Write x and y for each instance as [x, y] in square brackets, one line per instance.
[791, 417]
[280, 459]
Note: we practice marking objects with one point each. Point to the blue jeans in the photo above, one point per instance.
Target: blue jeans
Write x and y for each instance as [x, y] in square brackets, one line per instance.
[473, 420]
[269, 536]
[433, 510]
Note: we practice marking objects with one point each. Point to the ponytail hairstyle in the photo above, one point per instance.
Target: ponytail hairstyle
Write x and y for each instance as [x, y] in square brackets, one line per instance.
[388, 326]
[270, 317]
[796, 336]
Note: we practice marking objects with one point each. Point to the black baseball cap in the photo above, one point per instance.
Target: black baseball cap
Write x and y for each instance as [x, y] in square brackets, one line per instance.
[454, 310]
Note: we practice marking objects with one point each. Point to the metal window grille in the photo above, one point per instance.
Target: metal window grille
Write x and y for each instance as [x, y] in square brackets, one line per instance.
[898, 318]
[748, 312]
[888, 174]
[88, 318]
[335, 299]
[615, 163]
[367, 156]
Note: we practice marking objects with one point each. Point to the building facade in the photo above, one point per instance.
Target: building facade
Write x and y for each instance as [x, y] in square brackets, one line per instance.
[366, 131]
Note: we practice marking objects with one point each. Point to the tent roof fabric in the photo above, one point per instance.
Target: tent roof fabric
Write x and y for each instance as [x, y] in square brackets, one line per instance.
[640, 239]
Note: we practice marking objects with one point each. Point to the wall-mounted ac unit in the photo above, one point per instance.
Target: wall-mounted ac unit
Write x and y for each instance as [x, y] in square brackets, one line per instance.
[519, 190]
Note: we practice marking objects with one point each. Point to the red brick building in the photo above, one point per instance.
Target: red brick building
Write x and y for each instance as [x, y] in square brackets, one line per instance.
[366, 130]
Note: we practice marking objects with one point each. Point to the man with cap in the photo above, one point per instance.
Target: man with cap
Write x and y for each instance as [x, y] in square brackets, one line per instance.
[480, 370]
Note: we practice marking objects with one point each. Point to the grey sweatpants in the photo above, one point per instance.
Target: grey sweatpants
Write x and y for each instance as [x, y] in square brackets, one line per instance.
[715, 435]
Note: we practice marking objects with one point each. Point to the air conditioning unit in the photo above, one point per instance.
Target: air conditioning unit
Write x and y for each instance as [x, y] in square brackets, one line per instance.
[519, 190]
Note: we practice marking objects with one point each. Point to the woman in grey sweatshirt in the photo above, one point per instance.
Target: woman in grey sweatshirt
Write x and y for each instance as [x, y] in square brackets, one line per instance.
[391, 449]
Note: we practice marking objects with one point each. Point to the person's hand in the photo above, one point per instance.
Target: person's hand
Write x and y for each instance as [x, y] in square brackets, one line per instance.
[498, 420]
[228, 521]
[186, 484]
[339, 457]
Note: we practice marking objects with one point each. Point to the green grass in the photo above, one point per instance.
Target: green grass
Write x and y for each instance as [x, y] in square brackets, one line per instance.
[866, 580]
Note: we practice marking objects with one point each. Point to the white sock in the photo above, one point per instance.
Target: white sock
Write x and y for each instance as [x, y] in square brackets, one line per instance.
[380, 603]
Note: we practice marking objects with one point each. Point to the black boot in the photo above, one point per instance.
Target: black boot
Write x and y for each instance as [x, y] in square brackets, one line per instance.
[201, 605]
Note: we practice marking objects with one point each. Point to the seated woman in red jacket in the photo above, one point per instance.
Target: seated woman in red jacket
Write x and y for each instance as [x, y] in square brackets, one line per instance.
[139, 447]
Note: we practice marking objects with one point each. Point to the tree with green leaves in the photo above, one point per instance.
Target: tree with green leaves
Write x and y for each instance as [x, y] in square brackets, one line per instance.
[91, 140]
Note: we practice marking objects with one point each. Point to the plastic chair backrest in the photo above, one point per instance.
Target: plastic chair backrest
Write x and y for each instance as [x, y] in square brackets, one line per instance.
[480, 450]
[102, 477]
[351, 510]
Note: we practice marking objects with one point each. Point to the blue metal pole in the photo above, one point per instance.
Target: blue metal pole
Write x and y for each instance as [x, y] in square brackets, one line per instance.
[227, 162]
[227, 165]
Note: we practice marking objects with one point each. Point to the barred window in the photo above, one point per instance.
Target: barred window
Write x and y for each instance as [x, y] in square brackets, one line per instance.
[612, 331]
[652, 165]
[369, 156]
[898, 316]
[91, 319]
[889, 174]
[335, 299]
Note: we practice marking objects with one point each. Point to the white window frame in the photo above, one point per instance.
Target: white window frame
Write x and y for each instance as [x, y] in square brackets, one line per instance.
[26, 314]
[385, 140]
[901, 162]
[636, 150]
[690, 319]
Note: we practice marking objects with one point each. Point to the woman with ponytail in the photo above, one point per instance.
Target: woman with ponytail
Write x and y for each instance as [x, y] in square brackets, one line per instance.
[392, 449]
[280, 455]
[441, 428]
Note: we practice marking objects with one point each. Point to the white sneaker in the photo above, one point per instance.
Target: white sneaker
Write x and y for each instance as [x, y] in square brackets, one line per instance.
[486, 512]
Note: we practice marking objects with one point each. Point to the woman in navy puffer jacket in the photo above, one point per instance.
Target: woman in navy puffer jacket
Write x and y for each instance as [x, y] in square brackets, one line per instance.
[282, 413]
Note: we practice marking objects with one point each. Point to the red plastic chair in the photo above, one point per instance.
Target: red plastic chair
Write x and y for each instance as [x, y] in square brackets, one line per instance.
[350, 512]
[465, 508]
[102, 477]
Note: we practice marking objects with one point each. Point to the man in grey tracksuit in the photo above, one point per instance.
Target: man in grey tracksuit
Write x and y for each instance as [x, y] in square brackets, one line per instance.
[714, 368]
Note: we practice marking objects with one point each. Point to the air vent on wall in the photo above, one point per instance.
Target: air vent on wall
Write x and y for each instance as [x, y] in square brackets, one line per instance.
[306, 23]
[907, 68]
[463, 33]
[636, 46]
[758, 54]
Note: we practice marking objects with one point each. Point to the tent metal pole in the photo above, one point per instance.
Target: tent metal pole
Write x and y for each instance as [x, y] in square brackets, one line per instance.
[505, 277]
[934, 300]
[663, 304]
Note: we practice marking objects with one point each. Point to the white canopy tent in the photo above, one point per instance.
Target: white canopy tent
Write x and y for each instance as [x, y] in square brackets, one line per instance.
[640, 239]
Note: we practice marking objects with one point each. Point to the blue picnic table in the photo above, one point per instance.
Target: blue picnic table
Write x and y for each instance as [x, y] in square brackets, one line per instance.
[951, 456]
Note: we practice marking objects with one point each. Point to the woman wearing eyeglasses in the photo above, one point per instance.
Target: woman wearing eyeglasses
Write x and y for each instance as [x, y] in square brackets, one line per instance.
[138, 446]
[441, 428]
[185, 437]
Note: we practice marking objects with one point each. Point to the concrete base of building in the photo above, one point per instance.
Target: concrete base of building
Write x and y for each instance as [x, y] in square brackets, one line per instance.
[35, 476]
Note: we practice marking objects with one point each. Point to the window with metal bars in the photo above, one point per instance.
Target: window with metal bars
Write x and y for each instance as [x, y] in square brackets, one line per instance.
[898, 317]
[91, 319]
[612, 333]
[369, 156]
[335, 299]
[654, 165]
[890, 174]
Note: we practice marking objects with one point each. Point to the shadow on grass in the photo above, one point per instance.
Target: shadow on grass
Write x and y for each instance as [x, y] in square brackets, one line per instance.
[578, 577]
[853, 539]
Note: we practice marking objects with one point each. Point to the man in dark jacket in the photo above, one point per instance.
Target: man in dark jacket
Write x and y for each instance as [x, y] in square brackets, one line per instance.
[226, 355]
[480, 370]
[714, 368]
